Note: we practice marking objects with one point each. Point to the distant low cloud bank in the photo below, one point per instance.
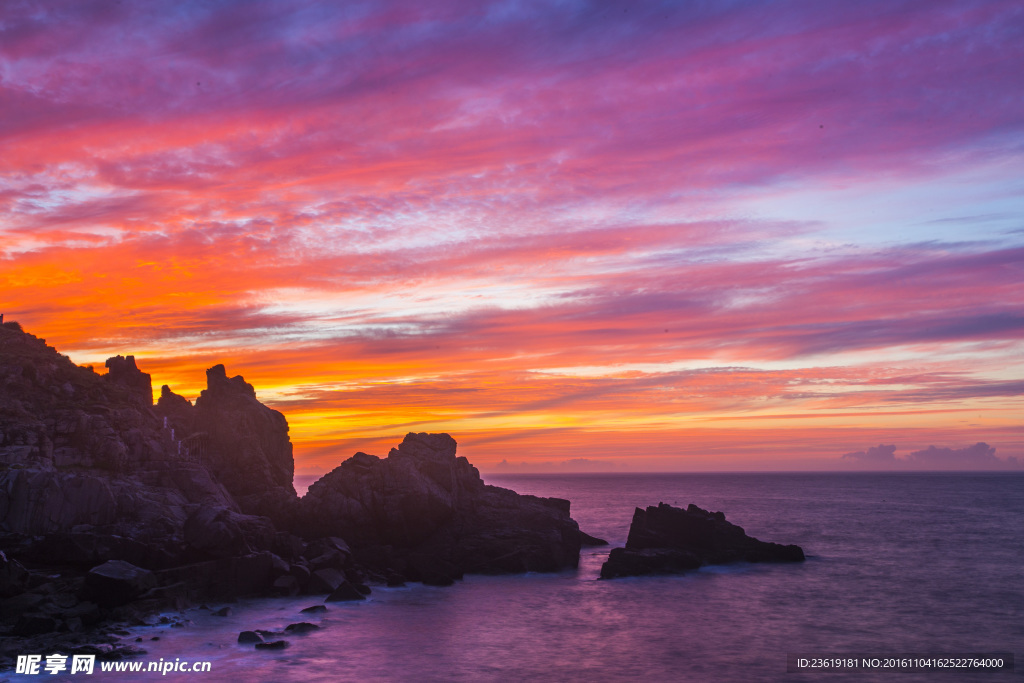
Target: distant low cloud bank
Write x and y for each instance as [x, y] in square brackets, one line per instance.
[572, 465]
[980, 456]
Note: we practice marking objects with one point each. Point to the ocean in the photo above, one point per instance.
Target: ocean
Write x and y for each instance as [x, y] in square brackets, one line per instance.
[897, 563]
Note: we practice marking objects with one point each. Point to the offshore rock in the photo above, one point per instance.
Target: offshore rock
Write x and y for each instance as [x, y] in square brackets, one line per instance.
[666, 540]
[426, 513]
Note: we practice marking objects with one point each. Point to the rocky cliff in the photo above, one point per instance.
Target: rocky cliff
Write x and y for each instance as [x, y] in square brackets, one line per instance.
[85, 455]
[242, 443]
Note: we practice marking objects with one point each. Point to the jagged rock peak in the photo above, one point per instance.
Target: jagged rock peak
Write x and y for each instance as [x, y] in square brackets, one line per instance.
[217, 381]
[170, 399]
[122, 366]
[246, 443]
[123, 370]
[436, 447]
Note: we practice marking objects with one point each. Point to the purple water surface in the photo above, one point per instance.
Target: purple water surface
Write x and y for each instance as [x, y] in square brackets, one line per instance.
[897, 563]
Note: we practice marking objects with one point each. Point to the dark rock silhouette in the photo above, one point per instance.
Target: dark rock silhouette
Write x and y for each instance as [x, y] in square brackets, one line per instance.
[122, 370]
[345, 592]
[85, 454]
[246, 444]
[113, 508]
[666, 539]
[301, 628]
[428, 514]
[116, 582]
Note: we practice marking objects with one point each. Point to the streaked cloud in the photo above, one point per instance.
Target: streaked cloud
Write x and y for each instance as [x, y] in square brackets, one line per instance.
[559, 231]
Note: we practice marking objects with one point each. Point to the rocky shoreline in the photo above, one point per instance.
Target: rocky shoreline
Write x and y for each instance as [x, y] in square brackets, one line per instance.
[114, 509]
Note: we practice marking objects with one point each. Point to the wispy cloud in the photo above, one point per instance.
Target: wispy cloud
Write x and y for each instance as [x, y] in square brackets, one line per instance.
[456, 215]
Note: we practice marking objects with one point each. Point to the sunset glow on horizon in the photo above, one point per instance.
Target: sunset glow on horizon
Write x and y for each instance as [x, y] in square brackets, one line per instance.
[574, 235]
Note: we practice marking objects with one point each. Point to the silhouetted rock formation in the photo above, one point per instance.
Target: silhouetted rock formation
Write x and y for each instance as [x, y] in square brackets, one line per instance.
[666, 540]
[246, 443]
[426, 513]
[122, 370]
[107, 499]
[84, 453]
[91, 472]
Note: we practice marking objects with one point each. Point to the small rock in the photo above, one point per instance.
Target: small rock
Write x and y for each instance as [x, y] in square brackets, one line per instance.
[314, 609]
[272, 645]
[222, 612]
[249, 637]
[301, 627]
[344, 592]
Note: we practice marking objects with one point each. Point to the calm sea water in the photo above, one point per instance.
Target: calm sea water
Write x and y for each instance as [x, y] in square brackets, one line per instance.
[897, 563]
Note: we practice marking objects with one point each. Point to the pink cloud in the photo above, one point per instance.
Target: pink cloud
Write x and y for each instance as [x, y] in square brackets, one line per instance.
[498, 191]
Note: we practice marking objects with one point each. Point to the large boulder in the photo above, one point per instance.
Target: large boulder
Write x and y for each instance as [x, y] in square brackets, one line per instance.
[116, 582]
[666, 539]
[221, 532]
[423, 501]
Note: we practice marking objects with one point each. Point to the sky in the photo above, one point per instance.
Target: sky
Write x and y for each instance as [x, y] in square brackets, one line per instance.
[577, 236]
